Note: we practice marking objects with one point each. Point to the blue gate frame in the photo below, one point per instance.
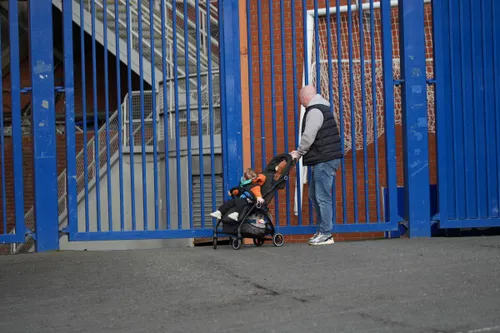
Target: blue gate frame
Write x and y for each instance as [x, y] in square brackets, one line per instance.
[19, 229]
[413, 82]
[468, 108]
[231, 126]
[478, 182]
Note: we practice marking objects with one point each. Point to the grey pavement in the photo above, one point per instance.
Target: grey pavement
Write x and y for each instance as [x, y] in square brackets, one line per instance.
[436, 285]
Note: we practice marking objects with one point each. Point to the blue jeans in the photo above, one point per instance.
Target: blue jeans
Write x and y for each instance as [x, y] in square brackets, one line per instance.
[321, 194]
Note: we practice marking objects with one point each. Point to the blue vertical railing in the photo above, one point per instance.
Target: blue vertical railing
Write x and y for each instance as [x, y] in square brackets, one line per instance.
[2, 152]
[363, 110]
[389, 114]
[17, 144]
[165, 111]
[177, 115]
[200, 112]
[142, 120]
[69, 87]
[273, 99]
[120, 122]
[296, 109]
[154, 115]
[341, 107]
[130, 118]
[285, 103]
[261, 87]
[211, 111]
[306, 82]
[96, 120]
[84, 117]
[330, 94]
[188, 114]
[374, 108]
[250, 83]
[106, 110]
[352, 109]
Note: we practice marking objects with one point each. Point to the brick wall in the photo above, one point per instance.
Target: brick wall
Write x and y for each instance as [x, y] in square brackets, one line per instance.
[286, 116]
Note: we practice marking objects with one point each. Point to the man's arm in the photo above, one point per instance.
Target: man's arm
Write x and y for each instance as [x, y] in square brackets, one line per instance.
[313, 124]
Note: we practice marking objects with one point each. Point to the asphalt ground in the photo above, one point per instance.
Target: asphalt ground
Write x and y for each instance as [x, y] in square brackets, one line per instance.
[400, 285]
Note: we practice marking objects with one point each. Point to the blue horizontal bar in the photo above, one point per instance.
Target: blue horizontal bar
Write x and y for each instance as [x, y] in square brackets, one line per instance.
[365, 227]
[339, 228]
[199, 233]
[140, 235]
[12, 238]
[470, 223]
[398, 82]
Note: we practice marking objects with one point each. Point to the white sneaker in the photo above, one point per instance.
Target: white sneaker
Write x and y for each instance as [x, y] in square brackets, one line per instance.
[216, 214]
[322, 239]
[234, 216]
[314, 236]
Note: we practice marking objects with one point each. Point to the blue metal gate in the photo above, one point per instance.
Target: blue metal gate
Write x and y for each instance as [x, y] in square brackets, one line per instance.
[145, 164]
[350, 54]
[12, 228]
[142, 113]
[468, 112]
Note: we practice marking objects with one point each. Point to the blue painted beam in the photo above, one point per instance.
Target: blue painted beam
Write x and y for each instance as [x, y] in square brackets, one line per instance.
[231, 93]
[415, 127]
[43, 120]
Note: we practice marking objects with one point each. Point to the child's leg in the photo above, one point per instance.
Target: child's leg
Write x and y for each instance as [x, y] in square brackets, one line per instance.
[223, 209]
[241, 208]
[240, 204]
[226, 206]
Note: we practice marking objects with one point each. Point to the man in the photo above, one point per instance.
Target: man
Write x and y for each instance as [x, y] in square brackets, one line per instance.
[321, 149]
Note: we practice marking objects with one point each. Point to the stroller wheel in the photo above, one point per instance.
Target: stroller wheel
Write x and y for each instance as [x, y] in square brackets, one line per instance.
[215, 243]
[278, 240]
[258, 242]
[236, 243]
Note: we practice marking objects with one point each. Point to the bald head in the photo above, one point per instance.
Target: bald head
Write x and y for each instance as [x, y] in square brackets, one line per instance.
[306, 94]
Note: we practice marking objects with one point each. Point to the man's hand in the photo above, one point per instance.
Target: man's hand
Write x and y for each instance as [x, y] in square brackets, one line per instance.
[260, 200]
[295, 154]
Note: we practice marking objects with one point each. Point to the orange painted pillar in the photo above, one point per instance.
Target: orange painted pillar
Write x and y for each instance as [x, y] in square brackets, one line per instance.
[245, 92]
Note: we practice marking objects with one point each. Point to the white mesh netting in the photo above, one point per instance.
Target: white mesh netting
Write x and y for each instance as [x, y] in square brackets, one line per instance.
[372, 87]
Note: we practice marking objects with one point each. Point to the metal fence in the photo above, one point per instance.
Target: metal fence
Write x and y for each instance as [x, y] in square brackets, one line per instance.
[412, 84]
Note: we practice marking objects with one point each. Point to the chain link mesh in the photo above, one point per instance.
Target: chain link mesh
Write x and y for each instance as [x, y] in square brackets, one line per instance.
[194, 109]
[135, 110]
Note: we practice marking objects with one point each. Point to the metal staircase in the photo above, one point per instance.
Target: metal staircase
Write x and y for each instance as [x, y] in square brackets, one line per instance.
[136, 25]
[113, 9]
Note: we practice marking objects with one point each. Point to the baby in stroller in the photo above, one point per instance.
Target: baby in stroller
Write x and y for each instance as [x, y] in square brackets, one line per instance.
[251, 181]
[247, 214]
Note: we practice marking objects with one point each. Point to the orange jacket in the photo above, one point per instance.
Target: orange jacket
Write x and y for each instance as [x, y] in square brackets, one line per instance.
[255, 188]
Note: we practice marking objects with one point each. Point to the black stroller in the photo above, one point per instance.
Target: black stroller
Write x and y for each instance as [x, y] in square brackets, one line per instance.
[247, 226]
